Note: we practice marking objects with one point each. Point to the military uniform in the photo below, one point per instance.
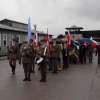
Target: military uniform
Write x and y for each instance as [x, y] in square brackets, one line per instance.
[33, 58]
[12, 55]
[90, 53]
[43, 65]
[26, 57]
[82, 54]
[54, 58]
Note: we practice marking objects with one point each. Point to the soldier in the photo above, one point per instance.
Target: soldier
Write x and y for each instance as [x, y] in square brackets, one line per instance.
[42, 53]
[33, 57]
[58, 56]
[90, 53]
[26, 58]
[65, 56]
[82, 54]
[12, 55]
[54, 57]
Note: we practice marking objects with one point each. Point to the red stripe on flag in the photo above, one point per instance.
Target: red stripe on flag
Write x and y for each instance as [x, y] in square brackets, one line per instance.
[68, 40]
[35, 40]
[47, 39]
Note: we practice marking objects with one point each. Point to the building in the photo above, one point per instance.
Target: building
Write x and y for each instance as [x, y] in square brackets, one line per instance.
[12, 29]
[94, 33]
[77, 33]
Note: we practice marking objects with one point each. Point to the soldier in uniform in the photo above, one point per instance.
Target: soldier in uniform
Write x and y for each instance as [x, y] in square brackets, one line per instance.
[90, 53]
[26, 58]
[33, 56]
[43, 52]
[82, 53]
[12, 55]
[54, 57]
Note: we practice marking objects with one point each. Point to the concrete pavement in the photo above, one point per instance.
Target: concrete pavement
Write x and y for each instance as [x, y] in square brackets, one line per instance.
[79, 82]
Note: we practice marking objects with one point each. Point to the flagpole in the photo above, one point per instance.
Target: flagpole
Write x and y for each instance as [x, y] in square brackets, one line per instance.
[29, 29]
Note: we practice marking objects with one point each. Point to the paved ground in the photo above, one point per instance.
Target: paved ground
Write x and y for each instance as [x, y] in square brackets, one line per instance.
[79, 82]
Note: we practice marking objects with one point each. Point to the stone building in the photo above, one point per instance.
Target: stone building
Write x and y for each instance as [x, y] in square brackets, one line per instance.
[12, 29]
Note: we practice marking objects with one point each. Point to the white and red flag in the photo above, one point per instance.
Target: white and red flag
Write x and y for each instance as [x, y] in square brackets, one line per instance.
[68, 40]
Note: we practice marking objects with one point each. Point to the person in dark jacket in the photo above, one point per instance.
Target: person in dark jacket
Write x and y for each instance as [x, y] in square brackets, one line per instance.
[82, 54]
[90, 52]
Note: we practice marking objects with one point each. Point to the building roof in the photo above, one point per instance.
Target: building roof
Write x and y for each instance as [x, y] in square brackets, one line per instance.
[91, 32]
[10, 28]
[74, 27]
[13, 21]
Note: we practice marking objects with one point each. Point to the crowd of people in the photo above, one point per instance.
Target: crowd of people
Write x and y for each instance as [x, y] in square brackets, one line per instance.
[53, 58]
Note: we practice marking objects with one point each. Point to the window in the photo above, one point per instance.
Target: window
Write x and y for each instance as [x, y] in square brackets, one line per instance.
[4, 37]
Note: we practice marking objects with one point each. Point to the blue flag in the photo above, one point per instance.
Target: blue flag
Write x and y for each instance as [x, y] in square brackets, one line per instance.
[29, 29]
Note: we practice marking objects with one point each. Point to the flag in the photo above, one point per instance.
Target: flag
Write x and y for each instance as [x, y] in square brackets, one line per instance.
[68, 39]
[94, 44]
[47, 39]
[29, 30]
[35, 39]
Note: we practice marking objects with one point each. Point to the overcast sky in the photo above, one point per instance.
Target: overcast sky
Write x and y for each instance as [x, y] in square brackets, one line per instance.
[54, 14]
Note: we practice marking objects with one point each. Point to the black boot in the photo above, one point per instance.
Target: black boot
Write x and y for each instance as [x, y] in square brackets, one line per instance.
[13, 69]
[25, 79]
[43, 80]
[29, 77]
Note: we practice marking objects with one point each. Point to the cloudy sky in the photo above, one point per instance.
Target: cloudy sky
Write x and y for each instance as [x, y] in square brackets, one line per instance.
[54, 14]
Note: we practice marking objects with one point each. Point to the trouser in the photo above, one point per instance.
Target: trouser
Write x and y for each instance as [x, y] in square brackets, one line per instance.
[54, 64]
[50, 64]
[27, 69]
[65, 59]
[43, 69]
[32, 66]
[12, 63]
[83, 59]
[90, 58]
